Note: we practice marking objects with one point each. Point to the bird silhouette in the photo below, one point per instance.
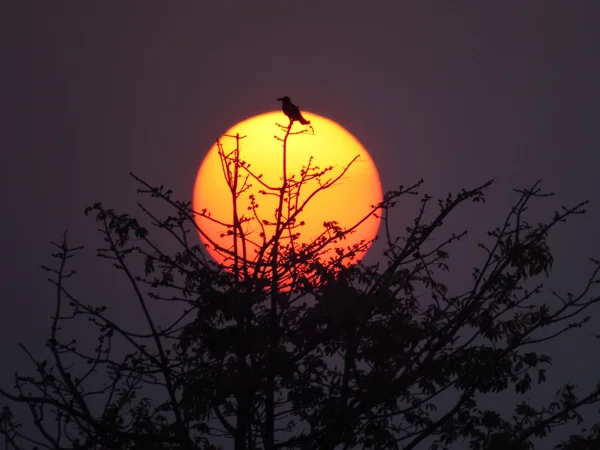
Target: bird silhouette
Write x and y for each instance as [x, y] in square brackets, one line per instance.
[292, 111]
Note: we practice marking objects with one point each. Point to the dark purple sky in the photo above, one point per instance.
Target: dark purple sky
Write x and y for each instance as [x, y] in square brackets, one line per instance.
[452, 94]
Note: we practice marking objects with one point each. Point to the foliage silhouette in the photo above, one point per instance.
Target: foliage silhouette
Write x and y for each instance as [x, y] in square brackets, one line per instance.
[284, 346]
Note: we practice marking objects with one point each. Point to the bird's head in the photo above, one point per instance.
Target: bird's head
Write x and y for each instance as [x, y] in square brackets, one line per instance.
[285, 99]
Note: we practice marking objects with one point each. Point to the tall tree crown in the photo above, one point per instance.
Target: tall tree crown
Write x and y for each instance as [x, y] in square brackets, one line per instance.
[284, 346]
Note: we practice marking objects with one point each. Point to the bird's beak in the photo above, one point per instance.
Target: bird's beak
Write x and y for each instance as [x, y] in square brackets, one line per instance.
[280, 99]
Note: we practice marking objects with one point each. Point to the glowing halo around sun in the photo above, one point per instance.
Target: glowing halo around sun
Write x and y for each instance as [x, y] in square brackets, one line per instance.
[346, 202]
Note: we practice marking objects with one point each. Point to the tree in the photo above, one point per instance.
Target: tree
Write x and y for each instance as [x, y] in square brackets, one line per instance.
[284, 346]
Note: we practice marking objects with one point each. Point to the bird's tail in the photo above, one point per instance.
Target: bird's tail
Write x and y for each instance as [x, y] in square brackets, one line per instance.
[303, 121]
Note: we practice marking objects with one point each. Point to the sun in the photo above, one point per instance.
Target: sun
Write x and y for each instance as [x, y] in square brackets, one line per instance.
[347, 202]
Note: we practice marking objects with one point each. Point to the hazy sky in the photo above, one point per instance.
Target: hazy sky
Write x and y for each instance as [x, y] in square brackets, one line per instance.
[452, 94]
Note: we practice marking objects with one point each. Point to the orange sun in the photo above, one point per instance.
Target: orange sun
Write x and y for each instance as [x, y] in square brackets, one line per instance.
[347, 201]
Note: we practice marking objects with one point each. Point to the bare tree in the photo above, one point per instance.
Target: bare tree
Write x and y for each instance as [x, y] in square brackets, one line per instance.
[285, 346]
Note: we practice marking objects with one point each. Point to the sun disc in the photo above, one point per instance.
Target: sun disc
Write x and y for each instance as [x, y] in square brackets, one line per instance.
[346, 202]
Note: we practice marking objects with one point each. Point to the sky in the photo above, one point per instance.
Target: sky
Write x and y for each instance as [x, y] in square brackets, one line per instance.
[452, 92]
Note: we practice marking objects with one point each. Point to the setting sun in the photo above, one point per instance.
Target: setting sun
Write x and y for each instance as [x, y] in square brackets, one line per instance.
[346, 202]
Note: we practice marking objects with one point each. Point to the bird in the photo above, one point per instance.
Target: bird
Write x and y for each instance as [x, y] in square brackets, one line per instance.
[292, 111]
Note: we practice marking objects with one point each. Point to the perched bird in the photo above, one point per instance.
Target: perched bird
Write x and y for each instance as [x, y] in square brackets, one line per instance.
[292, 111]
